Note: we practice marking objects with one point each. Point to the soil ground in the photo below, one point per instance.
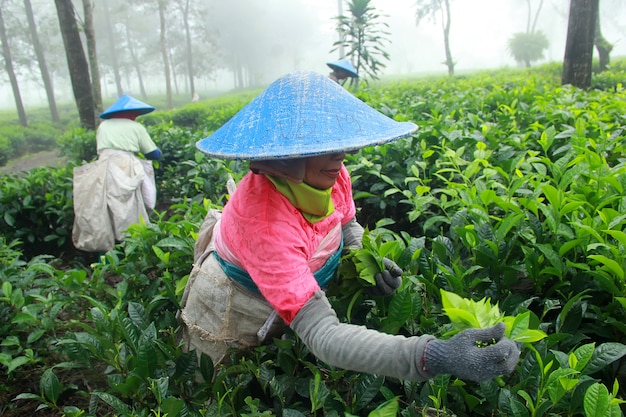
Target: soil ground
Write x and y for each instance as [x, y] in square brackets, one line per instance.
[28, 162]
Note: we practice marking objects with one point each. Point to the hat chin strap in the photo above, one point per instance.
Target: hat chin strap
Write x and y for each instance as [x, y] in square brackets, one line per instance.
[289, 169]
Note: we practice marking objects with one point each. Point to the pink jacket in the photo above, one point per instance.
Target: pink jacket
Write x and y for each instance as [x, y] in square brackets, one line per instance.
[276, 245]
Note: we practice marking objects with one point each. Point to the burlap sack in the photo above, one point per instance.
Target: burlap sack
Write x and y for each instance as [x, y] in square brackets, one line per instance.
[219, 314]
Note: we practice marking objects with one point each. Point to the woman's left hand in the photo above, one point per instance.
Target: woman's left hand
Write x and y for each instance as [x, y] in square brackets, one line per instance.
[388, 280]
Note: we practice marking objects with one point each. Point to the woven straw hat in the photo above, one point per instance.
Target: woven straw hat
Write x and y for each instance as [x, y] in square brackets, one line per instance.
[302, 114]
[127, 103]
[343, 64]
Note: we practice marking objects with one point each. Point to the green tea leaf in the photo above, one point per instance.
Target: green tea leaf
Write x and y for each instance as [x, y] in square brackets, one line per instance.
[583, 355]
[603, 355]
[609, 264]
[50, 386]
[596, 401]
[387, 409]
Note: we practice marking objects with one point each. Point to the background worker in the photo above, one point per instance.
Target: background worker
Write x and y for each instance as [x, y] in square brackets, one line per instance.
[119, 188]
[341, 71]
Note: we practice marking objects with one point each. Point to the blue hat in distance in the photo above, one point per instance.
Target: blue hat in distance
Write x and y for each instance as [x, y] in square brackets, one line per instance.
[343, 64]
[127, 103]
[302, 114]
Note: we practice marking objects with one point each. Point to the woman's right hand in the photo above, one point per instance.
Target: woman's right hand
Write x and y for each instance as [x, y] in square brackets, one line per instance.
[473, 354]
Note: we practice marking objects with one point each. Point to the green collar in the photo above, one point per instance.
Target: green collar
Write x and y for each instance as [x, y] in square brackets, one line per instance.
[315, 205]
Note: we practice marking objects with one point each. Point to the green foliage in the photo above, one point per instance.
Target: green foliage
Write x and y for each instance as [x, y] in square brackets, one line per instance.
[507, 204]
[17, 140]
[37, 300]
[467, 314]
[37, 209]
[78, 145]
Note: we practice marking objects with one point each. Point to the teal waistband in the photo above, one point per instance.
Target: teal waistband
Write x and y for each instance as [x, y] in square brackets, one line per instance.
[322, 275]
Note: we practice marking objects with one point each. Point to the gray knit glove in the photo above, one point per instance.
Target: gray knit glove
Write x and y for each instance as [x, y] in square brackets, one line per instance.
[387, 281]
[462, 357]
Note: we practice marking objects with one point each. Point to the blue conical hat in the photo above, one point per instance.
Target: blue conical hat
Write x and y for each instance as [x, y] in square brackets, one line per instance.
[126, 103]
[302, 114]
[345, 65]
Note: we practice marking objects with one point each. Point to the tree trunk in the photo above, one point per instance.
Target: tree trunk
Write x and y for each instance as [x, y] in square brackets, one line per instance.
[92, 52]
[603, 47]
[578, 59]
[133, 56]
[446, 39]
[76, 63]
[534, 26]
[192, 87]
[173, 74]
[164, 54]
[8, 63]
[342, 50]
[111, 38]
[41, 59]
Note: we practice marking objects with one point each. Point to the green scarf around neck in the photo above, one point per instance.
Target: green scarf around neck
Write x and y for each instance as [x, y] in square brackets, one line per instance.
[315, 205]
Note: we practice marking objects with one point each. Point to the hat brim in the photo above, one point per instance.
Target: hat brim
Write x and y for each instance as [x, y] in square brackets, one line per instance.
[302, 150]
[127, 103]
[302, 114]
[339, 67]
[140, 112]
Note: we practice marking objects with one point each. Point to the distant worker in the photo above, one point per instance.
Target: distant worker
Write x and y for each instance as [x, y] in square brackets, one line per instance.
[342, 70]
[119, 188]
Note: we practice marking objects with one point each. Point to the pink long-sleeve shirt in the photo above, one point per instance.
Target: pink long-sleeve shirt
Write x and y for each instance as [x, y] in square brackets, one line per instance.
[276, 245]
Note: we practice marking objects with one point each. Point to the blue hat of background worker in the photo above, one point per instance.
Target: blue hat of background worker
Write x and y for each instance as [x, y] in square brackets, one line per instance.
[302, 114]
[343, 64]
[127, 103]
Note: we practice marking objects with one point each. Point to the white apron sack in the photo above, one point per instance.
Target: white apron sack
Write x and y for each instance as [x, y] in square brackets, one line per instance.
[107, 200]
[148, 185]
[92, 230]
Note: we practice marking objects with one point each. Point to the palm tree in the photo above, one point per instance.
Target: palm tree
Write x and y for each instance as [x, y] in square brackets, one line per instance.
[364, 36]
[527, 47]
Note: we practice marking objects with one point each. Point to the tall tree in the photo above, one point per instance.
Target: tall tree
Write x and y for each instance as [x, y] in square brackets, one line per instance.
[603, 47]
[430, 9]
[92, 53]
[41, 60]
[581, 29]
[76, 63]
[135, 61]
[365, 37]
[184, 8]
[8, 64]
[111, 38]
[164, 53]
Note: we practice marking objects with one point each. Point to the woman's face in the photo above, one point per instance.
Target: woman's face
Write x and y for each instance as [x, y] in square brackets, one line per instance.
[322, 170]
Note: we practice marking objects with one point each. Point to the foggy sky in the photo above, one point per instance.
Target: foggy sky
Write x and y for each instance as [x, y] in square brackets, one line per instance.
[479, 32]
[288, 35]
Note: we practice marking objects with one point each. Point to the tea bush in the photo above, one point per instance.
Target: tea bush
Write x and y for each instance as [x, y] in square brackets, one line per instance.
[511, 191]
[40, 133]
[37, 209]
